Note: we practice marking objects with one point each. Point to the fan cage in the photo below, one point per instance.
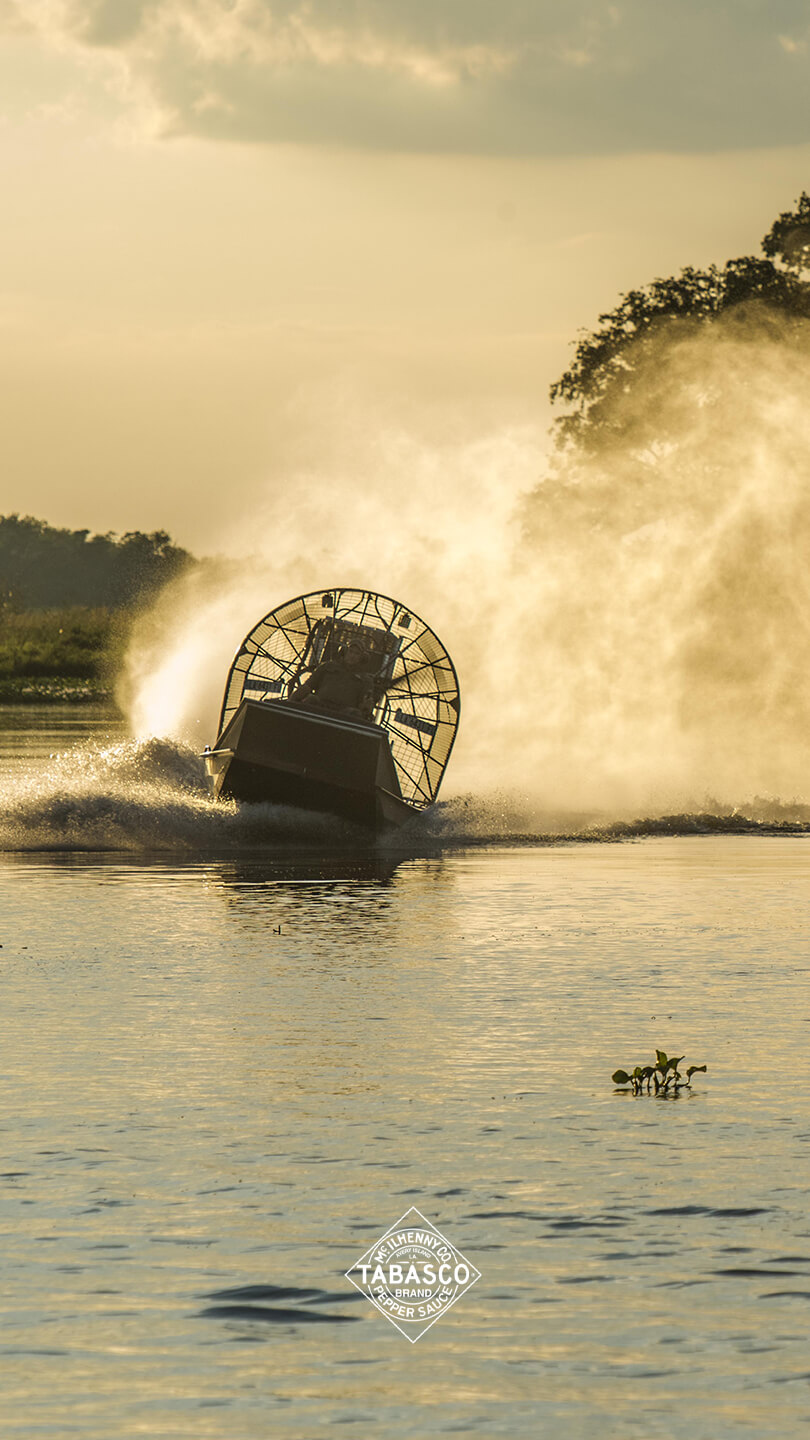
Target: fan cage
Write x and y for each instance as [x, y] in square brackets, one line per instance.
[414, 683]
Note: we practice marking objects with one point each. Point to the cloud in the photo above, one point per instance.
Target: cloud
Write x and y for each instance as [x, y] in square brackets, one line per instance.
[523, 77]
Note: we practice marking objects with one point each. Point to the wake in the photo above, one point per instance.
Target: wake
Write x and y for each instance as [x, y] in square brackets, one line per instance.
[151, 795]
[140, 796]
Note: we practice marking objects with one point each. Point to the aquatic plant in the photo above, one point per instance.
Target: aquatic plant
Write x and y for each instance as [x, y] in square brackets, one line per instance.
[664, 1076]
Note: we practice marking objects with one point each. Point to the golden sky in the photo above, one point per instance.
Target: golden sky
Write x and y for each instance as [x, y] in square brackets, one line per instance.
[234, 229]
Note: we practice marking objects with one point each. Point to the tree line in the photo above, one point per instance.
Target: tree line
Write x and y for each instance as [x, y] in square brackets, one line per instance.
[43, 567]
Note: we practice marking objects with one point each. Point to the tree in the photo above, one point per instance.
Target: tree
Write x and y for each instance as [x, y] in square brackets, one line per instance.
[789, 237]
[748, 298]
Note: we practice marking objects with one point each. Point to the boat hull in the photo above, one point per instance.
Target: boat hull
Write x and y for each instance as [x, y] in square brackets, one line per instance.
[289, 755]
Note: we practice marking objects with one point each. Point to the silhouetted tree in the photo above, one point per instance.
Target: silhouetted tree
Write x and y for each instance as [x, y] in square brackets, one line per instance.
[749, 297]
[789, 237]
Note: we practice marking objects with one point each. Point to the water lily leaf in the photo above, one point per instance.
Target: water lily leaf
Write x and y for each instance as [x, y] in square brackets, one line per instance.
[693, 1070]
[620, 1077]
[661, 1057]
[675, 1062]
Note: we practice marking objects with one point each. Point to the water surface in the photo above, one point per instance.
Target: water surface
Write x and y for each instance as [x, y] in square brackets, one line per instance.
[235, 1051]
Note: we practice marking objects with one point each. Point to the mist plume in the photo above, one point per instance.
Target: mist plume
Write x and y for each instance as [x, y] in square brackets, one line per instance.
[435, 525]
[630, 623]
[673, 629]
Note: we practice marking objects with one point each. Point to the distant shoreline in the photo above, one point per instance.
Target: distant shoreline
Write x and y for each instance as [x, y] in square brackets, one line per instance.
[55, 690]
[58, 657]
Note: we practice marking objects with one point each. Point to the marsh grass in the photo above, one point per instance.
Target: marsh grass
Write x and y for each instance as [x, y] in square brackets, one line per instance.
[67, 654]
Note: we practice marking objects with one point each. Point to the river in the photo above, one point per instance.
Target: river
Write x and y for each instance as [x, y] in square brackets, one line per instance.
[238, 1047]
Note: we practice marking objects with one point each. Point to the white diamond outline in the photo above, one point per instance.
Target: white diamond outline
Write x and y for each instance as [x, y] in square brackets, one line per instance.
[429, 1225]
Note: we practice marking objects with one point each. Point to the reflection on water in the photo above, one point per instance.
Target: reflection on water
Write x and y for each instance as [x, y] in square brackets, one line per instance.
[224, 1074]
[354, 869]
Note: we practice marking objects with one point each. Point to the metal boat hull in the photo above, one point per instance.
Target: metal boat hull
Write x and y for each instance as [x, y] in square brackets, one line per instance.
[290, 755]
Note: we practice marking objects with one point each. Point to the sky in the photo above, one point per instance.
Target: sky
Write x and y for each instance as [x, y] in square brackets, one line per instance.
[242, 239]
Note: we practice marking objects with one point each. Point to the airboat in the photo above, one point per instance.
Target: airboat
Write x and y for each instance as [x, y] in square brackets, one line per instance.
[377, 764]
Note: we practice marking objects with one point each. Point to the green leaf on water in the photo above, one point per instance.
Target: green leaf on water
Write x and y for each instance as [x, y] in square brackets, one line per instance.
[693, 1070]
[661, 1057]
[620, 1077]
